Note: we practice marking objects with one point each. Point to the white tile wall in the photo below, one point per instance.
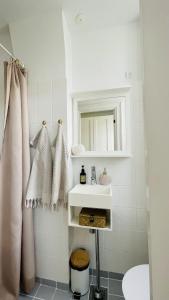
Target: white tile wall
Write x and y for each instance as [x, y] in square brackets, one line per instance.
[45, 61]
[51, 229]
[126, 245]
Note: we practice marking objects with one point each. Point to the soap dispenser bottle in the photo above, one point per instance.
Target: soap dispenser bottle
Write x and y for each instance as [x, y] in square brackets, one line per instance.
[104, 179]
[82, 176]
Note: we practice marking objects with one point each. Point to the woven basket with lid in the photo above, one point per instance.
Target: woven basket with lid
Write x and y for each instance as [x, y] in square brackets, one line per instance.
[93, 217]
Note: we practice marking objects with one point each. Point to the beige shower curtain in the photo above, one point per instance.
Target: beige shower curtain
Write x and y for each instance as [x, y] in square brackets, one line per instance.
[16, 227]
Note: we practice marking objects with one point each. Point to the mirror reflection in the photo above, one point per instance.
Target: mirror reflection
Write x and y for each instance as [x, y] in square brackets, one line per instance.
[98, 130]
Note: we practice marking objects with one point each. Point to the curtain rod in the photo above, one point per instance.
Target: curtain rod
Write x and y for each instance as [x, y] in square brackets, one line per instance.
[7, 51]
[11, 55]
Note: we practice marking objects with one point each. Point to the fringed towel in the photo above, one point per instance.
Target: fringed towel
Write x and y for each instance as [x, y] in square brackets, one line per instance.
[60, 171]
[40, 182]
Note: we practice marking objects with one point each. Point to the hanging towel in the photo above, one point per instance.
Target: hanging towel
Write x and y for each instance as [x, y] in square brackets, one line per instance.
[40, 182]
[60, 171]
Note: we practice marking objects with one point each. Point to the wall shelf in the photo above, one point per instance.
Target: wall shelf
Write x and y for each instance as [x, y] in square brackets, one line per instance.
[105, 155]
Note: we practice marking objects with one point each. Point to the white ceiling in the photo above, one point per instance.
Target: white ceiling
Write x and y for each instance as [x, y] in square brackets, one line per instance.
[100, 13]
[97, 13]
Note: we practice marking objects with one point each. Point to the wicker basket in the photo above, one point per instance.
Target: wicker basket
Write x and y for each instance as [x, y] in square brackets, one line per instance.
[93, 217]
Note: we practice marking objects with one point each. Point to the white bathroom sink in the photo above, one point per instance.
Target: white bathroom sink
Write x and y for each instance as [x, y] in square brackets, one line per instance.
[95, 189]
[96, 196]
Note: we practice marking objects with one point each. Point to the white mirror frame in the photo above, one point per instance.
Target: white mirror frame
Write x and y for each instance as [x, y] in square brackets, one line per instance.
[118, 97]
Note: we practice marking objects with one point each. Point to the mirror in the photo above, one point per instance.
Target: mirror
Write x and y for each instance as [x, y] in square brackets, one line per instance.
[100, 120]
[99, 127]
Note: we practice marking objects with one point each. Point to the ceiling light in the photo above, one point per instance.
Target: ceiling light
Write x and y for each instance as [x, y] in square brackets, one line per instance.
[79, 18]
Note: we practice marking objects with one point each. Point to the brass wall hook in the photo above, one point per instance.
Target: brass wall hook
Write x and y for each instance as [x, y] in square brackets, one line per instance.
[60, 121]
[44, 123]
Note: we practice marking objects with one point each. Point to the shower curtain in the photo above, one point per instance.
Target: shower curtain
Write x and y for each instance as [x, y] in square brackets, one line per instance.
[16, 228]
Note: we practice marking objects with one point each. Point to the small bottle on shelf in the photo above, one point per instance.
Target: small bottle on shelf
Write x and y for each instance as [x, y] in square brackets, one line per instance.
[104, 178]
[82, 176]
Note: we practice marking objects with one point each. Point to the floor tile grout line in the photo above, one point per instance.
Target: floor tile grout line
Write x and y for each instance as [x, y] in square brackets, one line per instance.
[115, 279]
[119, 296]
[108, 278]
[116, 295]
[39, 298]
[54, 294]
[27, 295]
[37, 290]
[35, 296]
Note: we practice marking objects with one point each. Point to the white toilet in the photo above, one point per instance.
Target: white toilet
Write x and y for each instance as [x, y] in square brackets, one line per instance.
[136, 283]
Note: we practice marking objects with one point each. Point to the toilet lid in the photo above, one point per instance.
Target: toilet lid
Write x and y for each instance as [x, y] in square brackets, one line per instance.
[136, 284]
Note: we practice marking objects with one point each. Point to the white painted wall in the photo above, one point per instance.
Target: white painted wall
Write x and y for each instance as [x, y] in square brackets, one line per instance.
[39, 43]
[156, 89]
[6, 41]
[101, 58]
[100, 61]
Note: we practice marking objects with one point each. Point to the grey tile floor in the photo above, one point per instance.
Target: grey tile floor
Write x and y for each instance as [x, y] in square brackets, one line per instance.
[44, 292]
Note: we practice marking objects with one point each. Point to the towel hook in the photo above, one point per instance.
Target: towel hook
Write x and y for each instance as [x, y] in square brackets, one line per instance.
[44, 123]
[60, 121]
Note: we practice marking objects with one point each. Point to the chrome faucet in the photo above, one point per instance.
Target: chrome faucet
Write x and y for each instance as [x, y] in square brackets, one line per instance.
[93, 175]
